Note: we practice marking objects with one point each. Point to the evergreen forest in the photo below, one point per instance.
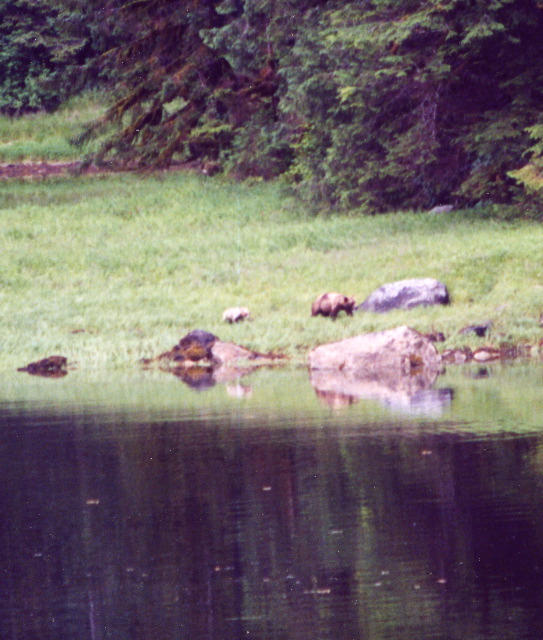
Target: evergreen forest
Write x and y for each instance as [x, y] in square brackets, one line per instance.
[366, 106]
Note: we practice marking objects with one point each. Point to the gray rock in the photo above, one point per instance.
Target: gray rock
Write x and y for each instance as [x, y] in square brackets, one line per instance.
[51, 367]
[444, 208]
[401, 350]
[456, 356]
[406, 294]
[203, 350]
[230, 353]
[478, 329]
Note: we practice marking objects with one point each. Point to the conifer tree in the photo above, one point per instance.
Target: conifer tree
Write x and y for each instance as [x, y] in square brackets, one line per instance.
[26, 55]
[177, 96]
[414, 103]
[49, 51]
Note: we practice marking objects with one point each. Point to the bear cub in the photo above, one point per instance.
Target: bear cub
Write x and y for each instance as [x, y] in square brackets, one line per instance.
[236, 314]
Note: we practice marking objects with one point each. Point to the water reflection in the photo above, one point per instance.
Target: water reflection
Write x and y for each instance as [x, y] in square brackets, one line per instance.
[202, 378]
[413, 393]
[200, 525]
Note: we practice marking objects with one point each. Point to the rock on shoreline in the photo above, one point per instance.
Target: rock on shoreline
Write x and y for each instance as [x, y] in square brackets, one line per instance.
[401, 349]
[201, 360]
[397, 367]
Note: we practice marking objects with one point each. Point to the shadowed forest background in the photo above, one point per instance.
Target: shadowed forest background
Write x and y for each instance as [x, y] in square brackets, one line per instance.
[366, 106]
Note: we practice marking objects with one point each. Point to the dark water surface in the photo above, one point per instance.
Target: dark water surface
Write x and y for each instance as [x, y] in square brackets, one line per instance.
[142, 509]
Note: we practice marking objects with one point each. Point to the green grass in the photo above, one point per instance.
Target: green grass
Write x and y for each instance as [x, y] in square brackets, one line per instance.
[107, 270]
[45, 136]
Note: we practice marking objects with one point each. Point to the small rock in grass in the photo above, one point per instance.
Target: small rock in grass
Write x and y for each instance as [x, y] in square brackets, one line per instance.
[478, 329]
[443, 208]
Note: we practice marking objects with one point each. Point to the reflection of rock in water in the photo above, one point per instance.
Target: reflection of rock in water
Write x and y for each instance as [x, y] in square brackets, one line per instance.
[198, 378]
[334, 400]
[428, 402]
[408, 393]
[201, 378]
[479, 374]
[239, 390]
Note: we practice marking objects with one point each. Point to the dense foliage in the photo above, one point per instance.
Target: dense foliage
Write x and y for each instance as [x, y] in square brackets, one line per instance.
[176, 94]
[375, 105]
[26, 55]
[417, 103]
[50, 51]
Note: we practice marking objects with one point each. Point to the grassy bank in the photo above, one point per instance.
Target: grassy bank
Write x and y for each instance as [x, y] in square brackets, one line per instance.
[107, 270]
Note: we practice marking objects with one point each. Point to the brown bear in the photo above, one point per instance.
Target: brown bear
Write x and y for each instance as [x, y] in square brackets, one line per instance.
[330, 304]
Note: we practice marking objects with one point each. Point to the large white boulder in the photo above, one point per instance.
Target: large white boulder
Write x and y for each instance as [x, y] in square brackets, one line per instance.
[402, 350]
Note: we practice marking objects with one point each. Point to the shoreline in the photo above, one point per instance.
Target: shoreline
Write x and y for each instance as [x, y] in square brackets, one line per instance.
[56, 365]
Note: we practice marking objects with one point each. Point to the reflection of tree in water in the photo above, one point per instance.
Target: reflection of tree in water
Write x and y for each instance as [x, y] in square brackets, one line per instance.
[191, 530]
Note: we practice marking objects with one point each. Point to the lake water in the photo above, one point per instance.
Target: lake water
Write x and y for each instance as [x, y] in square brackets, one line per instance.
[136, 507]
